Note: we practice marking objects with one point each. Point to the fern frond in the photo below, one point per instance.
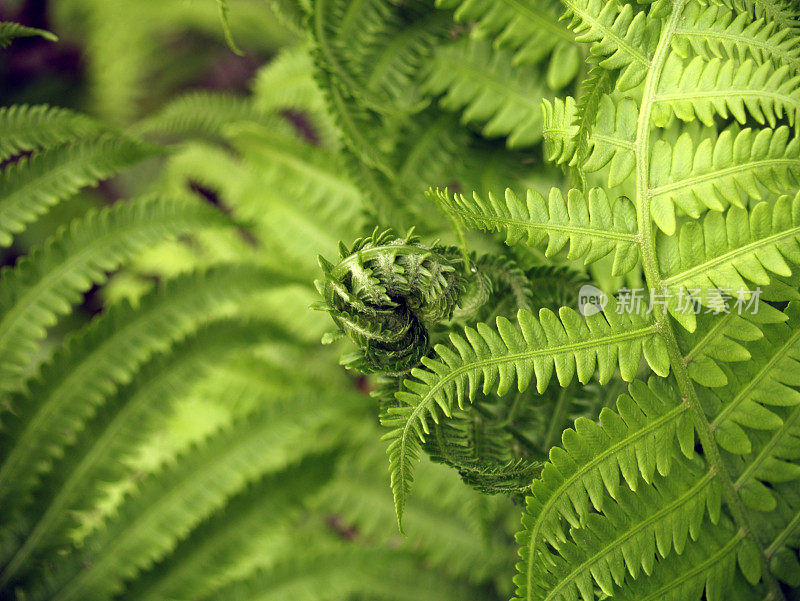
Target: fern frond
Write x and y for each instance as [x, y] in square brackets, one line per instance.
[287, 82]
[306, 172]
[487, 359]
[93, 364]
[621, 36]
[715, 174]
[336, 571]
[484, 445]
[714, 32]
[375, 51]
[708, 566]
[531, 30]
[594, 227]
[732, 251]
[633, 444]
[97, 454]
[10, 31]
[29, 187]
[43, 285]
[489, 90]
[169, 504]
[202, 114]
[190, 570]
[701, 89]
[632, 533]
[40, 127]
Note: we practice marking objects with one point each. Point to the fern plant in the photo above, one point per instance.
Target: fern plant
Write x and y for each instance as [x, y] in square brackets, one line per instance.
[678, 145]
[558, 243]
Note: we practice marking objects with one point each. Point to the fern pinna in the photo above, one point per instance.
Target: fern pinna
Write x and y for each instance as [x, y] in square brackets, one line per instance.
[680, 155]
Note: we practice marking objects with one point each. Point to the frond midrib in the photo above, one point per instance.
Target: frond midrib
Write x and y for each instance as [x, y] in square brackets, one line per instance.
[596, 233]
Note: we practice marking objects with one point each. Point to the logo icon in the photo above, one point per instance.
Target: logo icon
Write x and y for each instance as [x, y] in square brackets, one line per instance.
[591, 300]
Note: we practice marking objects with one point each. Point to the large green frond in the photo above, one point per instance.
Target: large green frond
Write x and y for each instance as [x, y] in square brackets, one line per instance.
[170, 503]
[44, 285]
[119, 425]
[91, 365]
[29, 187]
[197, 563]
[629, 450]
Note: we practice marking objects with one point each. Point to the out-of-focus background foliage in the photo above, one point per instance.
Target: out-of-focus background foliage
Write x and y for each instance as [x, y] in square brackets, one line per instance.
[199, 442]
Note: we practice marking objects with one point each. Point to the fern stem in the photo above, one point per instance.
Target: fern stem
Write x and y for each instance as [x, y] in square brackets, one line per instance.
[654, 281]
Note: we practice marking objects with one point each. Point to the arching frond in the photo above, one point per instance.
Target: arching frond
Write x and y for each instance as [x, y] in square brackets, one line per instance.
[91, 365]
[29, 187]
[489, 90]
[41, 127]
[45, 284]
[155, 517]
[497, 360]
[97, 454]
[197, 562]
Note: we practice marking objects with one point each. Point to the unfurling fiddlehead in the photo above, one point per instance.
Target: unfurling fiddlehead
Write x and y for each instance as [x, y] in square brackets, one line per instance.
[385, 293]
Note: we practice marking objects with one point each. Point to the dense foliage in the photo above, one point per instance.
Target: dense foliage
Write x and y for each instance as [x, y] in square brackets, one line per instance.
[171, 426]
